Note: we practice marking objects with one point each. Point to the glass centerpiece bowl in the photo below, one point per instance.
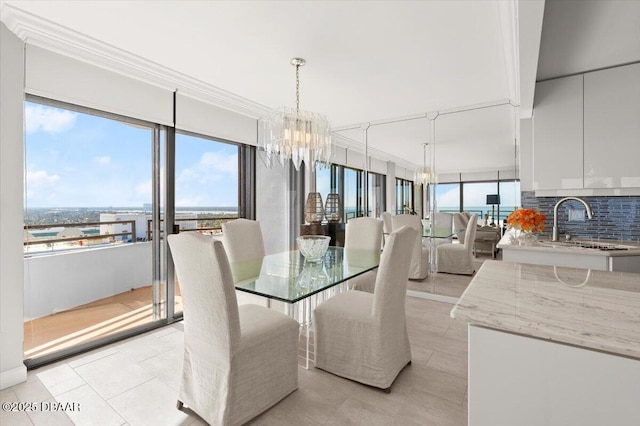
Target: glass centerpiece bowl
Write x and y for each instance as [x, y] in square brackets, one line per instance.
[313, 247]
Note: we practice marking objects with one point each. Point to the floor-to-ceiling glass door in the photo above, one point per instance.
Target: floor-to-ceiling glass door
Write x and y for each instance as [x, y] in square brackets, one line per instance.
[207, 187]
[93, 267]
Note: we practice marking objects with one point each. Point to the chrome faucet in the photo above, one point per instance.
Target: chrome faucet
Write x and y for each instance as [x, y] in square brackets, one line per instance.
[554, 237]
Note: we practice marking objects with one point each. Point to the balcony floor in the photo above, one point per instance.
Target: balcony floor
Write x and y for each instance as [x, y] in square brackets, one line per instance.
[89, 322]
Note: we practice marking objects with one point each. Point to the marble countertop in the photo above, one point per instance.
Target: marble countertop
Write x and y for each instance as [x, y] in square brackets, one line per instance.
[509, 241]
[592, 309]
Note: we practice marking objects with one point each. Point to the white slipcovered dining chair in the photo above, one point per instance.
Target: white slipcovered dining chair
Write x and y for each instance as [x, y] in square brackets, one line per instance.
[458, 258]
[363, 233]
[238, 360]
[443, 224]
[419, 268]
[243, 241]
[386, 225]
[363, 336]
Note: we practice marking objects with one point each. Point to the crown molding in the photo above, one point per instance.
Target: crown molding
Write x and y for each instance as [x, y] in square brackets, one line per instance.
[356, 146]
[37, 31]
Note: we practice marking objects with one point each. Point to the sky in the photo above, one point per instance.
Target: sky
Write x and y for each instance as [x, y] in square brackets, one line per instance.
[79, 160]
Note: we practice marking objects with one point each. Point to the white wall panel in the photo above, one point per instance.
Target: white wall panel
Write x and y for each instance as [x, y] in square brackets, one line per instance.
[378, 166]
[12, 370]
[448, 177]
[339, 155]
[55, 76]
[200, 117]
[355, 159]
[479, 176]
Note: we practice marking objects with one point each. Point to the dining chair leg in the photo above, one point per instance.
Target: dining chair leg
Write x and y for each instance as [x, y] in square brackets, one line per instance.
[179, 405]
[387, 390]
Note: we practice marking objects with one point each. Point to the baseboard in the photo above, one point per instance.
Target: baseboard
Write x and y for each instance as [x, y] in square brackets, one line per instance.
[431, 296]
[13, 377]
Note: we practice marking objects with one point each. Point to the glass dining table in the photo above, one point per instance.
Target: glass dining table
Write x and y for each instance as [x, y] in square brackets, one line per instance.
[302, 285]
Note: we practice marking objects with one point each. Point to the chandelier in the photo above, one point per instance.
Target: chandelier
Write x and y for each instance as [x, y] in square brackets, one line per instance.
[423, 174]
[292, 134]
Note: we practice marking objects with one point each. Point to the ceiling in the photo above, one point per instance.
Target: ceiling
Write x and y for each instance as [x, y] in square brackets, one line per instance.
[367, 61]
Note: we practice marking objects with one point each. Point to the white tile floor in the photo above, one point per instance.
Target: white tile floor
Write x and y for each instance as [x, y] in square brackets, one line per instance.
[135, 382]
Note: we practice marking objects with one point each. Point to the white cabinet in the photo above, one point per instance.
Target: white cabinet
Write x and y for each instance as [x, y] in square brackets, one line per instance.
[558, 134]
[612, 128]
[526, 381]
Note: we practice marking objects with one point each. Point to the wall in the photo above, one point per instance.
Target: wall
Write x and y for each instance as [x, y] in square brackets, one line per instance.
[57, 282]
[614, 218]
[12, 370]
[272, 204]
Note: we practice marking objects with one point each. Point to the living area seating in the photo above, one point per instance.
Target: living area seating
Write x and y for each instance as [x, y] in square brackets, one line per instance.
[486, 236]
[238, 360]
[419, 268]
[458, 258]
[363, 233]
[363, 336]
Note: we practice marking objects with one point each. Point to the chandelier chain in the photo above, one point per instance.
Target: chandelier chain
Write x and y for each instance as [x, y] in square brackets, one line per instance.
[297, 87]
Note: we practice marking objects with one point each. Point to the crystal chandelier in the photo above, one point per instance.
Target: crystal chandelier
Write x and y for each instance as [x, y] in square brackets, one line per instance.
[423, 174]
[297, 135]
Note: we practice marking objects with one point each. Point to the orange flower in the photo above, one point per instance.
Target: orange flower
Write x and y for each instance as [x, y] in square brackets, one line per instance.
[528, 220]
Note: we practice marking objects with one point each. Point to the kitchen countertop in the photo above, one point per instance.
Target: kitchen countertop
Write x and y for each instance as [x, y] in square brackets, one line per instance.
[592, 309]
[509, 241]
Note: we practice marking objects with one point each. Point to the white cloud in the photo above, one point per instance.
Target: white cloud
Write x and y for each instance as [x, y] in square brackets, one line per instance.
[40, 178]
[207, 181]
[48, 119]
[211, 167]
[105, 159]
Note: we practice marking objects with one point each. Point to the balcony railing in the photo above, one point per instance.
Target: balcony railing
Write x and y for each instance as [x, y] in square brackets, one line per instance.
[33, 240]
[216, 226]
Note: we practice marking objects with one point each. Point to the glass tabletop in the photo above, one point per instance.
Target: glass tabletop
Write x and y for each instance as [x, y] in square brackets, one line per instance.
[289, 278]
[440, 232]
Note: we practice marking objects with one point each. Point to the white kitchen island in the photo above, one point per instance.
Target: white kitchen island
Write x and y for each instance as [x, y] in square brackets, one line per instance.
[601, 255]
[552, 346]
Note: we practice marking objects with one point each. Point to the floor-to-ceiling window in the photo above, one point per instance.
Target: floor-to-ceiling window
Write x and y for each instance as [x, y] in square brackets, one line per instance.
[376, 194]
[509, 198]
[404, 196]
[352, 193]
[96, 201]
[90, 267]
[447, 197]
[206, 186]
[349, 184]
[474, 198]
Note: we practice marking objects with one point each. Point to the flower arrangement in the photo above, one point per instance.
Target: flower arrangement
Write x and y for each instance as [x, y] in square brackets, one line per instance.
[527, 220]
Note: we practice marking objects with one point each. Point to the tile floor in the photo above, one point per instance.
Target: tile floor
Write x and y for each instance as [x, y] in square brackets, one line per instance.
[135, 382]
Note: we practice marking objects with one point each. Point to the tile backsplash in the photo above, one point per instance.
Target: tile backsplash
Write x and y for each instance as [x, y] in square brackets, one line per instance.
[614, 218]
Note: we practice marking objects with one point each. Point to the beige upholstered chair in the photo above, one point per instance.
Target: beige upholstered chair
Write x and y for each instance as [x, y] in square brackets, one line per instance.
[419, 268]
[458, 258]
[363, 336]
[386, 226]
[442, 224]
[485, 235]
[242, 239]
[363, 233]
[238, 360]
